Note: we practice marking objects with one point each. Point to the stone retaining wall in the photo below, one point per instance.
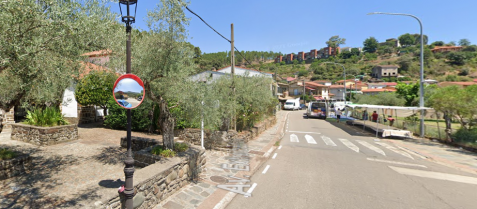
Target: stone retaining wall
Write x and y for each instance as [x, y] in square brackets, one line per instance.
[224, 139]
[138, 143]
[162, 185]
[15, 166]
[44, 135]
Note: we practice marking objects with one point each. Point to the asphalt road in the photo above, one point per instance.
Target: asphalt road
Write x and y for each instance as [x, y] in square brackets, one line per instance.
[322, 164]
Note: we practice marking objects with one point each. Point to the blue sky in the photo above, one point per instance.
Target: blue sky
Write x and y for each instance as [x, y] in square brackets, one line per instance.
[302, 25]
[128, 84]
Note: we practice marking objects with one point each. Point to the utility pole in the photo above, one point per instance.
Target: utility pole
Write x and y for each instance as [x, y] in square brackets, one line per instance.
[232, 74]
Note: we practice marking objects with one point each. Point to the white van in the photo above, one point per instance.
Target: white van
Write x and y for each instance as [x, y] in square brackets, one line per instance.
[292, 104]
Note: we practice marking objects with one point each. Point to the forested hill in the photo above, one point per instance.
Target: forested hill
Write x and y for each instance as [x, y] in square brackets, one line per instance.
[458, 65]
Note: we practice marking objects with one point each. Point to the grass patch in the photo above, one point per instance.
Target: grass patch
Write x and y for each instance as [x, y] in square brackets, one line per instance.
[6, 154]
[277, 143]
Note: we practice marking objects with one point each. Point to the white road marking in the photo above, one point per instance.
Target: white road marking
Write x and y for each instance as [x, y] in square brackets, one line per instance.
[371, 147]
[310, 139]
[302, 132]
[274, 155]
[349, 145]
[328, 141]
[395, 162]
[435, 175]
[280, 147]
[266, 169]
[249, 191]
[268, 152]
[411, 152]
[405, 154]
[294, 138]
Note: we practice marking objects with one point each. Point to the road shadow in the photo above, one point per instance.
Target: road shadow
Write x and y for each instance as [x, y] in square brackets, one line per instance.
[111, 183]
[112, 155]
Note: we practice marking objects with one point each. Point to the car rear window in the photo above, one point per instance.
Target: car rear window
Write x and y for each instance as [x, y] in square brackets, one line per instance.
[289, 103]
[318, 105]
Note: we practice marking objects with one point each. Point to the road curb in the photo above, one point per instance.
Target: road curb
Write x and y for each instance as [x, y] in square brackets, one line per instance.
[268, 149]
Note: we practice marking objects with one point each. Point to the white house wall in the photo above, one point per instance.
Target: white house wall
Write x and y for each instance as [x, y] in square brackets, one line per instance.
[69, 106]
[241, 71]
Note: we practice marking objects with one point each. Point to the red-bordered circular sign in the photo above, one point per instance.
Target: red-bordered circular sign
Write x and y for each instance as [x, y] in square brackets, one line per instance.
[128, 91]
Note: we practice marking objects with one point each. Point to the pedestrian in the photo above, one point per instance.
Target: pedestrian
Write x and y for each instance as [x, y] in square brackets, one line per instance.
[374, 116]
[338, 114]
[365, 115]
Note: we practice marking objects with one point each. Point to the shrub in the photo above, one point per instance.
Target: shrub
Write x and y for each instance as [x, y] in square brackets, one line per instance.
[159, 150]
[466, 136]
[6, 154]
[49, 116]
[180, 147]
[140, 116]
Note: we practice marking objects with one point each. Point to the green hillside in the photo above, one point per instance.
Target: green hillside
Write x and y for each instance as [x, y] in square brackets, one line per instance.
[448, 66]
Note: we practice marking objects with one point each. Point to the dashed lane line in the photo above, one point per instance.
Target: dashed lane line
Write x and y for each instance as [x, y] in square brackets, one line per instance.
[266, 169]
[274, 155]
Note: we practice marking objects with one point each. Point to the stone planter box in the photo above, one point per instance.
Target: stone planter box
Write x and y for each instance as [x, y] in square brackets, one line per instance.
[44, 135]
[15, 166]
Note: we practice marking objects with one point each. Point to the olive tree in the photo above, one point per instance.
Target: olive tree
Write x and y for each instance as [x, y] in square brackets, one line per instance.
[41, 43]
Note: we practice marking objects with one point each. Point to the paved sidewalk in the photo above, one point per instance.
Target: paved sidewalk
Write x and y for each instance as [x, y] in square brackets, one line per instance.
[204, 193]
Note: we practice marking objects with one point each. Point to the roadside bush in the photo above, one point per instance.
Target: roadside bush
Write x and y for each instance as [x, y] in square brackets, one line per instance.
[6, 154]
[180, 147]
[49, 116]
[465, 136]
[140, 116]
[159, 150]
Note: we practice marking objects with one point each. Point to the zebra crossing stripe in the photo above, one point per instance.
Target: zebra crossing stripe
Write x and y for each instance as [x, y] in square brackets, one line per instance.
[394, 149]
[310, 139]
[294, 138]
[328, 141]
[371, 147]
[349, 145]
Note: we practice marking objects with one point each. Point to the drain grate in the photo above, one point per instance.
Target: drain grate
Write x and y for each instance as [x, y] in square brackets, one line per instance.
[218, 179]
[256, 152]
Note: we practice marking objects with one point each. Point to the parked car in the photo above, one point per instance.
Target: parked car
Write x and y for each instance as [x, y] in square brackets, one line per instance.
[303, 106]
[124, 103]
[139, 98]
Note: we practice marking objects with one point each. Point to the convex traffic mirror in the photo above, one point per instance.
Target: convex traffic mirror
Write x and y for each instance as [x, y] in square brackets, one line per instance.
[129, 91]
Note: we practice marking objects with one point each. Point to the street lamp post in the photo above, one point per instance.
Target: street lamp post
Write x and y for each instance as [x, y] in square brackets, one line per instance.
[421, 76]
[344, 77]
[129, 162]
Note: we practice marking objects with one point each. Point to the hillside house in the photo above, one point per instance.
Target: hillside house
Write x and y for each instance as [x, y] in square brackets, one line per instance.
[381, 71]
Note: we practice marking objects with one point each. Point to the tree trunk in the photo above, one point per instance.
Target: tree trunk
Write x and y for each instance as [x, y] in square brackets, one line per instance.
[448, 121]
[167, 125]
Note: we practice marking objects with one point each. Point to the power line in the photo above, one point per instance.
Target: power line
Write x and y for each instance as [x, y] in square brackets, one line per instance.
[217, 33]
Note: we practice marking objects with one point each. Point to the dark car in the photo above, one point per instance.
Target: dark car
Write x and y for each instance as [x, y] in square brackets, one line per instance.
[139, 98]
[303, 106]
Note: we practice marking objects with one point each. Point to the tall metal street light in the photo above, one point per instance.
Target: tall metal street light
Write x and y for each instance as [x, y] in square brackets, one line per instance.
[344, 78]
[421, 76]
[129, 162]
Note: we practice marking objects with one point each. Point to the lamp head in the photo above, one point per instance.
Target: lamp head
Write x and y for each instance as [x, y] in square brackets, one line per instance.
[128, 18]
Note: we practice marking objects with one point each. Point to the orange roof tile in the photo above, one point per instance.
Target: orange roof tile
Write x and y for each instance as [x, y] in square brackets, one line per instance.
[99, 53]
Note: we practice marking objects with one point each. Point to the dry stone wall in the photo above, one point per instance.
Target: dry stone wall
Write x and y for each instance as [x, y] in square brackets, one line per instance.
[15, 166]
[162, 185]
[44, 135]
[224, 139]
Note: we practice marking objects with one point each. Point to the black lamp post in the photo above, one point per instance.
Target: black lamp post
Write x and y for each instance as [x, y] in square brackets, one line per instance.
[129, 162]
